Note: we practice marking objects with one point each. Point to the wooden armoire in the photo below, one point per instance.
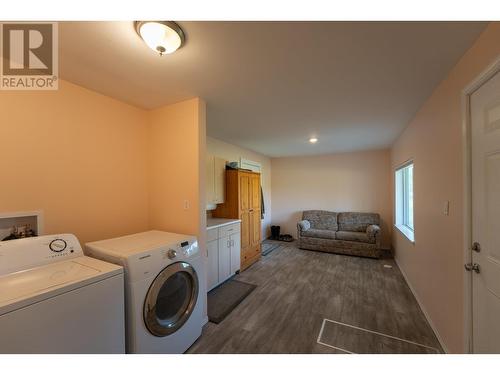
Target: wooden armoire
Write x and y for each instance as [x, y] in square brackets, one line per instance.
[243, 201]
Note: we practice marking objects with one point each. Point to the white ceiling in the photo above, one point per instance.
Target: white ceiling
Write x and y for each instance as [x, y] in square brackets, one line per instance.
[269, 86]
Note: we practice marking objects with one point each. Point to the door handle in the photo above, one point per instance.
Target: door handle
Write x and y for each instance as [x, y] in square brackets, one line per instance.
[473, 267]
[476, 247]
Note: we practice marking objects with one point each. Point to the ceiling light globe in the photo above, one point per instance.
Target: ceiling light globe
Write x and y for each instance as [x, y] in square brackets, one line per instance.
[163, 37]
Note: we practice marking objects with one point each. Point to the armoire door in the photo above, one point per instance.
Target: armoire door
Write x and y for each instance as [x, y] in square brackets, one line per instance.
[245, 230]
[255, 192]
[255, 227]
[245, 197]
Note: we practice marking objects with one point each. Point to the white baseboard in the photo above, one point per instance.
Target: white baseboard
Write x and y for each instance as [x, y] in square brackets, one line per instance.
[433, 327]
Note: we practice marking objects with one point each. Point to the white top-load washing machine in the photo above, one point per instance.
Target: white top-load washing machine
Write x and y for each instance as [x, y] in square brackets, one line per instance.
[164, 285]
[53, 299]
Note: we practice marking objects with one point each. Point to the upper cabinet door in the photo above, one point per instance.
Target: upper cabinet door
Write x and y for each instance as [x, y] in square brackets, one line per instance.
[219, 180]
[210, 187]
[255, 193]
[245, 192]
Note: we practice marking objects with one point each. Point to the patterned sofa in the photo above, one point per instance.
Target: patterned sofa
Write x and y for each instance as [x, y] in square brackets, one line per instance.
[351, 233]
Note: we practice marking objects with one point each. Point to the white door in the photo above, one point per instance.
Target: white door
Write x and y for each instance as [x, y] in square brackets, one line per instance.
[485, 129]
[212, 264]
[224, 258]
[235, 252]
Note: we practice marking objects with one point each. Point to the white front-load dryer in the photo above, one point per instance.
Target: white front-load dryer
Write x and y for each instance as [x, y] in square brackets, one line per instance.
[165, 288]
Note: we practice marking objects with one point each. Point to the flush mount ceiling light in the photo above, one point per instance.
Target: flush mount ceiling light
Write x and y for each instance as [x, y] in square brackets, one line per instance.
[313, 140]
[161, 36]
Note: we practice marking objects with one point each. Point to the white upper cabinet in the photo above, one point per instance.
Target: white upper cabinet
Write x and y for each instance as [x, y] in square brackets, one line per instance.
[215, 183]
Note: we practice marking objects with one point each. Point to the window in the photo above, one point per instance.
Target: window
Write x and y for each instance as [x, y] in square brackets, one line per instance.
[404, 200]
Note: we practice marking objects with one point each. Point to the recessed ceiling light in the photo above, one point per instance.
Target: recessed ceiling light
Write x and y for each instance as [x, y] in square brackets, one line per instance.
[161, 36]
[313, 140]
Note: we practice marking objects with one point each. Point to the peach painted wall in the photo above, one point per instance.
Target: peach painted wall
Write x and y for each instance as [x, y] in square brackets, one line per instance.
[433, 139]
[77, 155]
[353, 181]
[175, 172]
[234, 153]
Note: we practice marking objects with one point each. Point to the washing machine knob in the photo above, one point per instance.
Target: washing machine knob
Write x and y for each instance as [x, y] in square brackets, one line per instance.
[58, 245]
[171, 254]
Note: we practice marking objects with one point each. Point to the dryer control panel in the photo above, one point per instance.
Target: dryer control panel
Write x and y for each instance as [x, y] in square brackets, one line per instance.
[181, 251]
[149, 264]
[32, 252]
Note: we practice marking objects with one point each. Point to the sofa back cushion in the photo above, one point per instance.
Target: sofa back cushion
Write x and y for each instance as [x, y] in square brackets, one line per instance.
[357, 221]
[321, 219]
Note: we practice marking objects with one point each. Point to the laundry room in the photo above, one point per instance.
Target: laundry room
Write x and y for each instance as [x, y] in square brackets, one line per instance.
[83, 167]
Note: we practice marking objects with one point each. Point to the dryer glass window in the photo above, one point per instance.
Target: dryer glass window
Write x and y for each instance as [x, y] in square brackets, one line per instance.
[171, 299]
[174, 297]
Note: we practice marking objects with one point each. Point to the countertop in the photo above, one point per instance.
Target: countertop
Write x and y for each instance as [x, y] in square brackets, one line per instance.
[218, 222]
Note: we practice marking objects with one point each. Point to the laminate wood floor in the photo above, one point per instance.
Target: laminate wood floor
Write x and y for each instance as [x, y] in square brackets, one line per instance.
[298, 289]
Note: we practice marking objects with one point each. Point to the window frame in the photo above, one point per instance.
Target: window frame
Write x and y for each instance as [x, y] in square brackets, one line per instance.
[402, 201]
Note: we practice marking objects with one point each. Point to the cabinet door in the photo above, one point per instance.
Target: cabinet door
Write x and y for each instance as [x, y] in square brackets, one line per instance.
[210, 187]
[212, 264]
[219, 180]
[224, 258]
[235, 252]
[245, 196]
[255, 192]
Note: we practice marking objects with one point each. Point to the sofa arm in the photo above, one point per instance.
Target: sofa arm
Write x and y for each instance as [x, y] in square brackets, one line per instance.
[303, 225]
[373, 232]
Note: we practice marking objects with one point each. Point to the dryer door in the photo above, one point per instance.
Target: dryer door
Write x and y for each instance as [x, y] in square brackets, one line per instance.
[171, 299]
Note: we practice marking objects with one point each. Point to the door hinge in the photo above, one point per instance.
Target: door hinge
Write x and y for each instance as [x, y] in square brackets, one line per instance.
[472, 267]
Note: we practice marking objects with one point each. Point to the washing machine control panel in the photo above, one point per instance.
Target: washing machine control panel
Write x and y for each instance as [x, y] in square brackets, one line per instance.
[37, 251]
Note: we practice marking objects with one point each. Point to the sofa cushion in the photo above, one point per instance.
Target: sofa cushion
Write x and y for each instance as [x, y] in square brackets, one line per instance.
[303, 225]
[372, 231]
[353, 236]
[357, 221]
[321, 219]
[319, 233]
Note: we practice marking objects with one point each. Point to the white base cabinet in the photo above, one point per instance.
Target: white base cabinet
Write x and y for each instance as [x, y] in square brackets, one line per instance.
[224, 253]
[212, 264]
